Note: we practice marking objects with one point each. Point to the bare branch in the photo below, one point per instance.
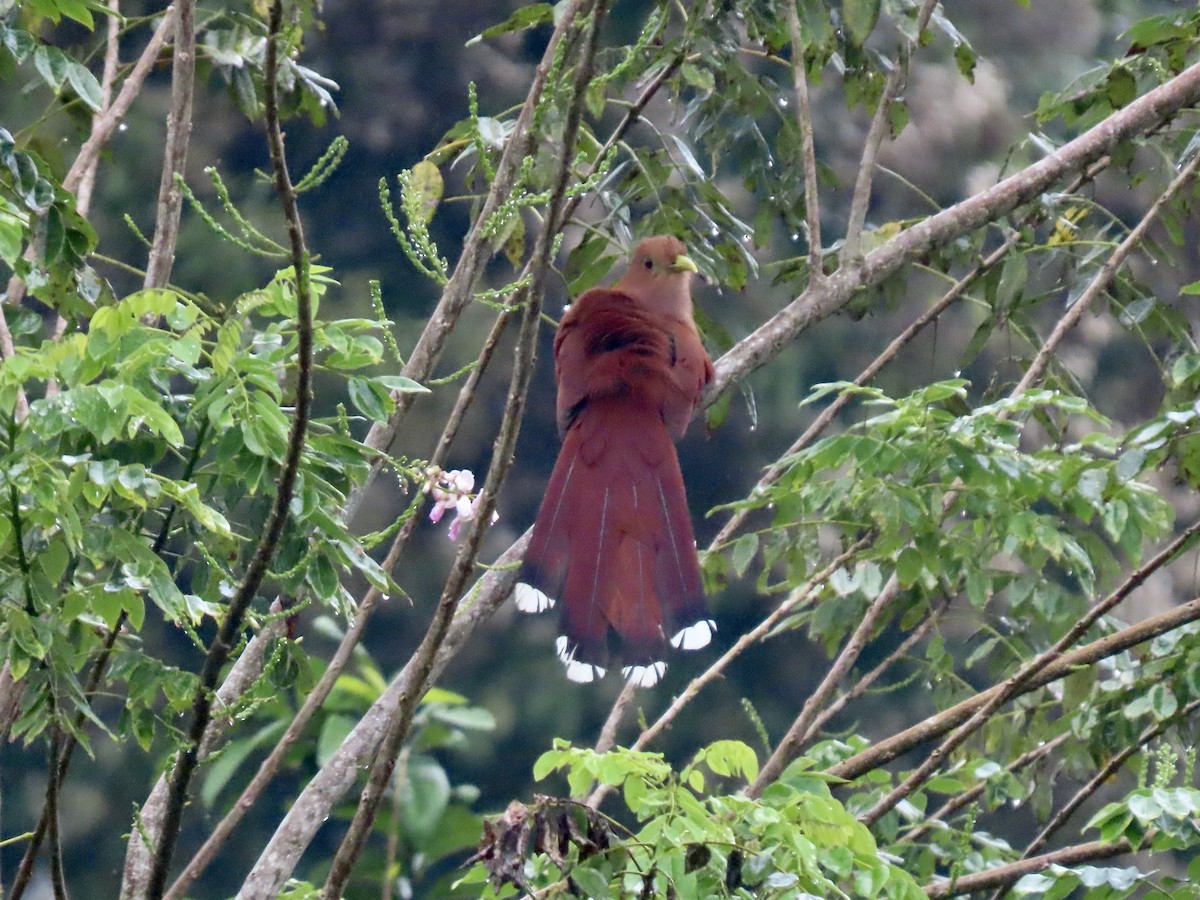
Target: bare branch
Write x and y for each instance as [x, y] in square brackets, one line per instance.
[880, 125]
[112, 45]
[812, 198]
[104, 125]
[1004, 875]
[179, 131]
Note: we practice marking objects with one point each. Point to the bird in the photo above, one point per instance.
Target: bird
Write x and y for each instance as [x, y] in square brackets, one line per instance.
[613, 537]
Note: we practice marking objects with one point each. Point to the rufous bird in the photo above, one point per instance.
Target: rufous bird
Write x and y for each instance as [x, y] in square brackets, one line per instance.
[613, 539]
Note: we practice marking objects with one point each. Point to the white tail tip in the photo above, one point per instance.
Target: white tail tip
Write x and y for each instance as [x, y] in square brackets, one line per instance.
[694, 636]
[644, 676]
[530, 600]
[579, 672]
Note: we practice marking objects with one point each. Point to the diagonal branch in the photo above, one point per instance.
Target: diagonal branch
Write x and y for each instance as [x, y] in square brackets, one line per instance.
[937, 725]
[1005, 875]
[112, 45]
[822, 299]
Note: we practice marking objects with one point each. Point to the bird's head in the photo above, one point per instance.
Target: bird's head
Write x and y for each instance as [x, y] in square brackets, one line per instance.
[662, 256]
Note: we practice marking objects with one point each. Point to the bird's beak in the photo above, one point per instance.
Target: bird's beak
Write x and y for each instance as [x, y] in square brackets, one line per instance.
[684, 264]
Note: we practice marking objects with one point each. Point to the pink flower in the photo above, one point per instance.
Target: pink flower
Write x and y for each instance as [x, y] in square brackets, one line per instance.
[452, 490]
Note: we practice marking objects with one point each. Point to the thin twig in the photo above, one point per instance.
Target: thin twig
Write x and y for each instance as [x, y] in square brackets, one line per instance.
[808, 155]
[880, 126]
[231, 625]
[105, 125]
[973, 793]
[608, 733]
[58, 881]
[793, 742]
[179, 131]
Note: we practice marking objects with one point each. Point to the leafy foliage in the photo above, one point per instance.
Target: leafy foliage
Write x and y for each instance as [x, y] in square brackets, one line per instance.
[935, 541]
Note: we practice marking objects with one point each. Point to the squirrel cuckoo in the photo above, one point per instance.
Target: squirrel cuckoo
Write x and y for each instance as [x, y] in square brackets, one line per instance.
[613, 539]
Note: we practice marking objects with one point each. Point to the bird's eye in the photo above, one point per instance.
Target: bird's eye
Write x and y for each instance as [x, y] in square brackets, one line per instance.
[648, 263]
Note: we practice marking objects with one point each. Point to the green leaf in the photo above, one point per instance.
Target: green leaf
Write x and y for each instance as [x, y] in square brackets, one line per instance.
[400, 384]
[84, 84]
[1120, 87]
[591, 883]
[51, 63]
[525, 17]
[1013, 276]
[472, 718]
[909, 566]
[425, 182]
[860, 17]
[424, 795]
[744, 549]
[1144, 807]
[372, 398]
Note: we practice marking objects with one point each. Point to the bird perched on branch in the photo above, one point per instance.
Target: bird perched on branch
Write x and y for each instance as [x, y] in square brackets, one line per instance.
[613, 539]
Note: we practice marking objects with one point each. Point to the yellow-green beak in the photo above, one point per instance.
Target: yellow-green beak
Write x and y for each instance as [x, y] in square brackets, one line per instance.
[684, 264]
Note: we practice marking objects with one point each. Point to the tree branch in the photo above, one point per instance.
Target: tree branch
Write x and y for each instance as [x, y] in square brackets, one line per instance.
[820, 300]
[939, 724]
[112, 45]
[808, 155]
[179, 131]
[1005, 875]
[231, 625]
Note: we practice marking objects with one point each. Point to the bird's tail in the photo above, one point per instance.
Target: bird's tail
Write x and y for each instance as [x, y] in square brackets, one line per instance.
[613, 542]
